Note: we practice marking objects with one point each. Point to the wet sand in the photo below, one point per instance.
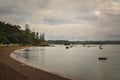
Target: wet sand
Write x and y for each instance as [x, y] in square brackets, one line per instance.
[11, 69]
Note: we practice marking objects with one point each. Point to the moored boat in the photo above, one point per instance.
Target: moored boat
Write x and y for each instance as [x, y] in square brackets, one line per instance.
[102, 58]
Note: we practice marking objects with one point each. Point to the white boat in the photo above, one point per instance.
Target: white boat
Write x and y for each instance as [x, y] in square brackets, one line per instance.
[100, 47]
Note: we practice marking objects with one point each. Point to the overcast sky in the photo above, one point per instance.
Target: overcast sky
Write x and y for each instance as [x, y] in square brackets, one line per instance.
[66, 19]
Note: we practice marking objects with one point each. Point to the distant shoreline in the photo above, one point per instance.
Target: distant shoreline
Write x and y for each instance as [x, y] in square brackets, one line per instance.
[11, 69]
[87, 42]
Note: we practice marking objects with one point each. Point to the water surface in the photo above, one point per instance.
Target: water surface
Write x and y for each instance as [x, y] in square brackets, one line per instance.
[79, 62]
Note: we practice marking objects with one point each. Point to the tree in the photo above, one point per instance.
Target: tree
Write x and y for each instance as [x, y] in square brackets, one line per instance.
[4, 40]
[13, 34]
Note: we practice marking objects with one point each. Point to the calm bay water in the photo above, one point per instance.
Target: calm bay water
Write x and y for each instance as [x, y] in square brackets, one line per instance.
[79, 62]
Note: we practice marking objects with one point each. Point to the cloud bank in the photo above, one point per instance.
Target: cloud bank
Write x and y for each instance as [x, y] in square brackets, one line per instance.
[66, 19]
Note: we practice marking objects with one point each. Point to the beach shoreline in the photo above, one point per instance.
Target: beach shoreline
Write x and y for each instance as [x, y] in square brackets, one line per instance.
[11, 69]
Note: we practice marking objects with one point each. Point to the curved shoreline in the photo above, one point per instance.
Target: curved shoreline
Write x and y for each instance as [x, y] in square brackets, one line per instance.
[11, 69]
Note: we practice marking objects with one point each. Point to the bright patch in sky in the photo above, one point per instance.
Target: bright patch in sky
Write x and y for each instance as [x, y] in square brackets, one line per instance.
[97, 13]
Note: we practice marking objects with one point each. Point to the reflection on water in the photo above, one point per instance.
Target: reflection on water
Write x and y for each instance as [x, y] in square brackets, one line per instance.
[26, 54]
[78, 62]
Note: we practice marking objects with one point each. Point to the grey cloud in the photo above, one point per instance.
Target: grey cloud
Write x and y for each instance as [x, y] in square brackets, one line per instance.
[59, 21]
[21, 9]
[110, 21]
[26, 8]
[66, 12]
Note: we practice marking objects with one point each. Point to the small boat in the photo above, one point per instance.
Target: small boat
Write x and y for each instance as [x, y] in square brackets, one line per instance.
[88, 46]
[71, 45]
[67, 47]
[27, 50]
[100, 47]
[102, 58]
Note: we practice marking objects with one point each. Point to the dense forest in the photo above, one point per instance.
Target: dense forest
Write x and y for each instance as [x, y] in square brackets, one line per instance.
[13, 34]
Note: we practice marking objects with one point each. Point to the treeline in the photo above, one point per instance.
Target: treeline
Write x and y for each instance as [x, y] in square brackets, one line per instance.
[66, 42]
[14, 34]
[83, 42]
[99, 42]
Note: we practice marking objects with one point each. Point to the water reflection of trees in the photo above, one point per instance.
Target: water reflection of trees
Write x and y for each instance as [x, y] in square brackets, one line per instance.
[41, 55]
[26, 55]
[34, 55]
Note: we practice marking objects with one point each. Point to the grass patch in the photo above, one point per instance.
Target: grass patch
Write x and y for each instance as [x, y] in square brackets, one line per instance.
[2, 45]
[7, 45]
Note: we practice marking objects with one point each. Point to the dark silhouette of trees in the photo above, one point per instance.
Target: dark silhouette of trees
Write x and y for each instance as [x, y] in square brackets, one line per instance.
[4, 39]
[14, 34]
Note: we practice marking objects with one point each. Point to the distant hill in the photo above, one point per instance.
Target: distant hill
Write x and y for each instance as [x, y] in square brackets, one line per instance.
[83, 42]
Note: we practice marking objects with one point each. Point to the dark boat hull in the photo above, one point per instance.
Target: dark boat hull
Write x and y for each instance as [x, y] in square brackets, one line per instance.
[102, 58]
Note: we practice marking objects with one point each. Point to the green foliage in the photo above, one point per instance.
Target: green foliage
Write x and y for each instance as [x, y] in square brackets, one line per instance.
[4, 40]
[13, 34]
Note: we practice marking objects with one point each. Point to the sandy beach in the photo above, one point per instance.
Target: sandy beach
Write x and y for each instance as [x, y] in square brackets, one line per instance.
[11, 69]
